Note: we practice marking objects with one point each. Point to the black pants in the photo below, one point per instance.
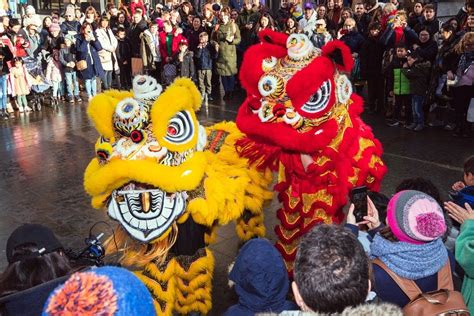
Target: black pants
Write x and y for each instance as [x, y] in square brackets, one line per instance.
[126, 75]
[402, 103]
[461, 98]
[375, 94]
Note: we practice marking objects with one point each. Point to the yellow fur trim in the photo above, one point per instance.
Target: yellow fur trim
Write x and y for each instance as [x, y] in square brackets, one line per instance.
[182, 95]
[254, 227]
[101, 109]
[103, 179]
[211, 236]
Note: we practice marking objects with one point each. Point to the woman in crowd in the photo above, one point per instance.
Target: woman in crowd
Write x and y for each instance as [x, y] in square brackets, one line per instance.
[464, 83]
[427, 48]
[44, 30]
[415, 16]
[265, 22]
[109, 43]
[91, 16]
[88, 48]
[227, 35]
[291, 26]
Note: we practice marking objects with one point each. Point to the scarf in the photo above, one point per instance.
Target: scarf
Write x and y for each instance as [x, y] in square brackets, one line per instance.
[410, 261]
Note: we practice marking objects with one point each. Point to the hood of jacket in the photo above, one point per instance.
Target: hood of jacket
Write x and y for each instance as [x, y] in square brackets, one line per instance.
[260, 277]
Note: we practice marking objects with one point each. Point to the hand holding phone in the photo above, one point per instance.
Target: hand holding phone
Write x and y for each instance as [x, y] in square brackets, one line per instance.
[359, 199]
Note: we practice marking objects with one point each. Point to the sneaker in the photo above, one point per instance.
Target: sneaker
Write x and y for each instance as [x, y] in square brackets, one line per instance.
[394, 123]
[70, 99]
[78, 99]
[28, 109]
[449, 127]
[411, 126]
[436, 123]
[418, 128]
[20, 109]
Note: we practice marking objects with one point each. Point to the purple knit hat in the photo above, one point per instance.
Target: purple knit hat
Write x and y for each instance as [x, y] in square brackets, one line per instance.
[415, 217]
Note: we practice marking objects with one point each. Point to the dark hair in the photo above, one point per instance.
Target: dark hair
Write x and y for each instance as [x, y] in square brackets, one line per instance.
[449, 23]
[387, 233]
[469, 165]
[447, 28]
[429, 6]
[103, 18]
[84, 26]
[422, 185]
[331, 269]
[120, 29]
[401, 45]
[375, 26]
[17, 59]
[14, 22]
[27, 273]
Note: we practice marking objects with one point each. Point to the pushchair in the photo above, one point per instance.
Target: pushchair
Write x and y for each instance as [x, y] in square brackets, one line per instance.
[39, 84]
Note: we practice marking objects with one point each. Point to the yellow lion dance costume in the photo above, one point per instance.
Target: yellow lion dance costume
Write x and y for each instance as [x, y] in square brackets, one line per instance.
[169, 182]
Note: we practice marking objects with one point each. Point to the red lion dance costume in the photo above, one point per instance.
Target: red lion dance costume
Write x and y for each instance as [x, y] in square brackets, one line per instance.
[301, 119]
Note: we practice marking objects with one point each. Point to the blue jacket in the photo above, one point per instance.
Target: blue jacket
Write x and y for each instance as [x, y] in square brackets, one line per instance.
[94, 66]
[463, 196]
[204, 57]
[261, 280]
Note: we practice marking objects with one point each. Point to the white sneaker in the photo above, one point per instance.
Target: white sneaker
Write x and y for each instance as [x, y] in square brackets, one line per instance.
[20, 109]
[28, 109]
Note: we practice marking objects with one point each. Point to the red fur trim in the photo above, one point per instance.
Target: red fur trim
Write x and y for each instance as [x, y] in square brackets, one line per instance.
[272, 37]
[283, 135]
[251, 69]
[263, 156]
[330, 50]
[300, 89]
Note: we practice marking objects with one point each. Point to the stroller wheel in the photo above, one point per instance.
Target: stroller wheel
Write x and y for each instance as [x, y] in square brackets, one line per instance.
[38, 106]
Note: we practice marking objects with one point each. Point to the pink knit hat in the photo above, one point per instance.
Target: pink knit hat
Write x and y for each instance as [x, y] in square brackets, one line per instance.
[415, 217]
[54, 27]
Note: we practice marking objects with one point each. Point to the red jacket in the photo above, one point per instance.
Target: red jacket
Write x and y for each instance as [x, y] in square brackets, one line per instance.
[174, 45]
[134, 6]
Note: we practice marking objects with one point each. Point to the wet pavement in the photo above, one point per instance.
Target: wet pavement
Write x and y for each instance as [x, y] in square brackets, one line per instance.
[43, 156]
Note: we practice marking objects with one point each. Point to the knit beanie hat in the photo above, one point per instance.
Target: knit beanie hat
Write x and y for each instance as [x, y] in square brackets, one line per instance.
[102, 291]
[415, 217]
[54, 27]
[30, 10]
[33, 234]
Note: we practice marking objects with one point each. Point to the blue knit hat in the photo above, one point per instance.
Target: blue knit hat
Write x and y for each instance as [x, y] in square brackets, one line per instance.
[102, 291]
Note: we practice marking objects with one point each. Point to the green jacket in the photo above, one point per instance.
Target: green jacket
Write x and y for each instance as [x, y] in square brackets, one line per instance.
[465, 258]
[227, 60]
[401, 85]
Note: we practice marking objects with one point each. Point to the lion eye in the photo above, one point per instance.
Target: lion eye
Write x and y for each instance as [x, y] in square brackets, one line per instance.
[180, 128]
[318, 101]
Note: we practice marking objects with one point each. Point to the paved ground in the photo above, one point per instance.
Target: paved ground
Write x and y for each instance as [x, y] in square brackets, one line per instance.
[43, 156]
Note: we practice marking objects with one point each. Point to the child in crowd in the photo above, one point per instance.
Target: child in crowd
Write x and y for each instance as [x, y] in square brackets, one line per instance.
[418, 73]
[185, 60]
[464, 190]
[124, 57]
[320, 34]
[205, 53]
[400, 86]
[54, 75]
[20, 83]
[67, 57]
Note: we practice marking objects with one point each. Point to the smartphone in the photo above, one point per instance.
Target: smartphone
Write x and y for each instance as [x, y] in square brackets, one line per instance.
[359, 199]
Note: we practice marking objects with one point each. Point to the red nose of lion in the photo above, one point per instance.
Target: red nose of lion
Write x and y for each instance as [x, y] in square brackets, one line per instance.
[279, 110]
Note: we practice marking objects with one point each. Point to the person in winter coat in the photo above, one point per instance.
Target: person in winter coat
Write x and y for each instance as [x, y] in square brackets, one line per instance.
[18, 37]
[70, 25]
[67, 57]
[426, 47]
[399, 32]
[5, 56]
[399, 87]
[320, 35]
[150, 50]
[308, 23]
[185, 61]
[428, 21]
[247, 21]
[362, 19]
[192, 34]
[20, 84]
[54, 40]
[169, 42]
[87, 48]
[260, 280]
[351, 37]
[206, 53]
[31, 17]
[417, 70]
[34, 41]
[124, 58]
[415, 16]
[54, 74]
[227, 35]
[136, 29]
[134, 4]
[463, 90]
[410, 245]
[108, 42]
[371, 55]
[464, 248]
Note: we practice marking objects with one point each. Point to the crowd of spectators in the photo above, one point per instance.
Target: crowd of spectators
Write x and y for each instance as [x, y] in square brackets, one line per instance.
[408, 64]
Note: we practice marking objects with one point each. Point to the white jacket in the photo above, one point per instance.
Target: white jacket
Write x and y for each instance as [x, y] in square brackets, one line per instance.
[109, 43]
[308, 25]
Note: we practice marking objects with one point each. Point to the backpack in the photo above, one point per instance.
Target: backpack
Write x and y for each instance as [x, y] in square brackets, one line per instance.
[443, 301]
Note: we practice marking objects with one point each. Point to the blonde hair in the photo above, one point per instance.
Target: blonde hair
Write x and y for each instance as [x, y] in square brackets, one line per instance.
[389, 7]
[460, 47]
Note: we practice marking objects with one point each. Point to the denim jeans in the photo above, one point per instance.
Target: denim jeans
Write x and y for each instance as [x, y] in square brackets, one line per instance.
[3, 92]
[72, 84]
[417, 102]
[91, 86]
[228, 82]
[56, 92]
[107, 79]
